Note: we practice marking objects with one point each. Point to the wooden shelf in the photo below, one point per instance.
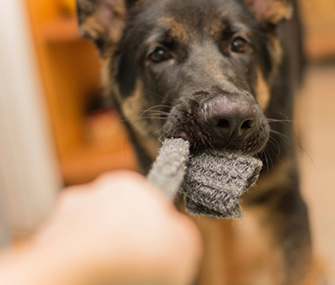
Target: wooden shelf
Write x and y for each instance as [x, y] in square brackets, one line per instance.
[106, 148]
[320, 42]
[61, 29]
[70, 72]
[319, 24]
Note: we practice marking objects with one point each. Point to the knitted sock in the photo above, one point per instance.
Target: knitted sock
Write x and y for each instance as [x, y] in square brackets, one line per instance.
[212, 181]
[215, 180]
[169, 168]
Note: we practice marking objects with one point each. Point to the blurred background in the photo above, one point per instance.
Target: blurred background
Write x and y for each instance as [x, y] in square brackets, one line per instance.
[89, 139]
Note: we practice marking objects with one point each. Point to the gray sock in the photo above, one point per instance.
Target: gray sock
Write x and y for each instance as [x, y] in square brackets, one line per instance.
[212, 181]
[169, 168]
[215, 180]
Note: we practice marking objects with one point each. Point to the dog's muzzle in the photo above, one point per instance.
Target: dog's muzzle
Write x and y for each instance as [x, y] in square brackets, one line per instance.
[228, 118]
[225, 121]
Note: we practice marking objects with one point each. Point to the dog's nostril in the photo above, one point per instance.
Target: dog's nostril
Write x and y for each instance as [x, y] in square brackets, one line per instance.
[248, 124]
[224, 124]
[228, 118]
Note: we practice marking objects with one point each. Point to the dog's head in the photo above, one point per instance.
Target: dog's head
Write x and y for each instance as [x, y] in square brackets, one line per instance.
[197, 69]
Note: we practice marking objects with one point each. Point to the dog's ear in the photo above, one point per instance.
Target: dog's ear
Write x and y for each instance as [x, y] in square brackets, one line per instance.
[102, 21]
[270, 12]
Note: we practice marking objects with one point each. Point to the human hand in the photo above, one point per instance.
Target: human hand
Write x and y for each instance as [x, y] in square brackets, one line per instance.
[118, 228]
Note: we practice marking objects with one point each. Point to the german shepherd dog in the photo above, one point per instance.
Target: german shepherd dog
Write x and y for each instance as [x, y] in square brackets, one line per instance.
[220, 74]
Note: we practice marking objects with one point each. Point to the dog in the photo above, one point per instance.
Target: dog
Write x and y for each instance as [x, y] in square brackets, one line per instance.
[220, 74]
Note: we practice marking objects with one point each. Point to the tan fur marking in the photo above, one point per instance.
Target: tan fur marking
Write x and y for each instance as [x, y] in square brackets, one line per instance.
[278, 11]
[105, 73]
[262, 91]
[276, 55]
[103, 20]
[216, 27]
[91, 27]
[239, 251]
[278, 177]
[133, 108]
[176, 29]
[270, 11]
[277, 52]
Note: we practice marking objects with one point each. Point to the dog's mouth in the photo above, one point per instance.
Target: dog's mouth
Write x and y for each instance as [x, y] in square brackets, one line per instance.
[205, 129]
[200, 139]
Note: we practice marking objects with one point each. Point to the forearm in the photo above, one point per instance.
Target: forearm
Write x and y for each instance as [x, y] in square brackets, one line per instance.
[32, 265]
[35, 265]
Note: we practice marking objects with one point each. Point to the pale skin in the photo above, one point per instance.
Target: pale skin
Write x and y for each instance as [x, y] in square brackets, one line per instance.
[118, 229]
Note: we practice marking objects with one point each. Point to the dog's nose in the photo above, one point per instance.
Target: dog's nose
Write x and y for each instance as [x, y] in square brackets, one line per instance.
[229, 118]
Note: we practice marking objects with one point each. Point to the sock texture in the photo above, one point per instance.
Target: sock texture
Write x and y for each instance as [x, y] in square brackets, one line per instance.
[215, 180]
[169, 168]
[212, 181]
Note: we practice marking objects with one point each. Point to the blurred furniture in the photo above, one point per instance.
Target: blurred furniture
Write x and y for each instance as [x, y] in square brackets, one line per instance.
[88, 136]
[319, 21]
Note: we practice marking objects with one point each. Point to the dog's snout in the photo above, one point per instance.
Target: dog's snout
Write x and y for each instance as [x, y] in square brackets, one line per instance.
[229, 118]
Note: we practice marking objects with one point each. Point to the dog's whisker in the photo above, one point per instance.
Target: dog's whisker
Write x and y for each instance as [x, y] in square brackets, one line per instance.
[202, 140]
[290, 122]
[273, 142]
[296, 141]
[157, 106]
[152, 109]
[153, 118]
[280, 134]
[165, 98]
[158, 113]
[268, 160]
[275, 151]
[280, 121]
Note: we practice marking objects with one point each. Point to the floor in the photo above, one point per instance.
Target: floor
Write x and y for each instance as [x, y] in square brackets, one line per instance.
[318, 157]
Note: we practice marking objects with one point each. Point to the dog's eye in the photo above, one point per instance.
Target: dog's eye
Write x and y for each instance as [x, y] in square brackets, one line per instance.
[239, 45]
[160, 54]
